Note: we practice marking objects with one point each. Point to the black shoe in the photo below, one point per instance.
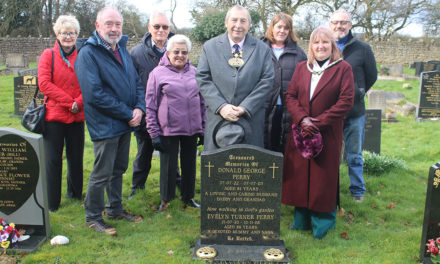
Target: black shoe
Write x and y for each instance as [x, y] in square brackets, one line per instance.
[192, 203]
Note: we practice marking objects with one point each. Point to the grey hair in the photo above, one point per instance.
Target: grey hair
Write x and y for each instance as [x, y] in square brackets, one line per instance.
[157, 14]
[67, 21]
[178, 39]
[239, 7]
[107, 8]
[342, 11]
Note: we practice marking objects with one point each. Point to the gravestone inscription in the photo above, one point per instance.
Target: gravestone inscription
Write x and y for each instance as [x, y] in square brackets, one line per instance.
[22, 186]
[241, 202]
[24, 89]
[426, 66]
[431, 220]
[373, 124]
[429, 96]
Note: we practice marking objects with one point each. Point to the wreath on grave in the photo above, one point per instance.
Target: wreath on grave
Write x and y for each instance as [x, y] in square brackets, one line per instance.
[434, 249]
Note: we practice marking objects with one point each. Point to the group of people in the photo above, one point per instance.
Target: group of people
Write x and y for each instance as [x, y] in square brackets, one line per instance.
[266, 93]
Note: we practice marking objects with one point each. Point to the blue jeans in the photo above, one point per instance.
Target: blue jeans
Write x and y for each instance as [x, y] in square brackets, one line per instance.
[111, 161]
[354, 138]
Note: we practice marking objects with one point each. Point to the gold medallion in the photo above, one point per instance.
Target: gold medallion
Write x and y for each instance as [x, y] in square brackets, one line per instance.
[273, 254]
[206, 252]
[236, 62]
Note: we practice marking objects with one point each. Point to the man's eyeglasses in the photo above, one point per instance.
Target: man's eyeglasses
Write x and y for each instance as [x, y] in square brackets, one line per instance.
[68, 34]
[164, 27]
[183, 52]
[342, 22]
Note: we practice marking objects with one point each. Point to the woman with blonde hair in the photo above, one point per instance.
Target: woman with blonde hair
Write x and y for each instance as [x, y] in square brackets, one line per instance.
[320, 93]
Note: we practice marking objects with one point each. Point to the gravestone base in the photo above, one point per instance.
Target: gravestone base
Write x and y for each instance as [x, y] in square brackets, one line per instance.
[242, 253]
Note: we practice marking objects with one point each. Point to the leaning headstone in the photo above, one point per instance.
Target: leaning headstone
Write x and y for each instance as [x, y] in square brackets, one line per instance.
[32, 72]
[16, 62]
[372, 130]
[23, 186]
[377, 100]
[395, 70]
[241, 205]
[431, 220]
[24, 90]
[429, 96]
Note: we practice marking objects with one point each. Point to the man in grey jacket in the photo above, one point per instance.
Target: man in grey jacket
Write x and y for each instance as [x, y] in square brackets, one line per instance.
[235, 74]
[361, 58]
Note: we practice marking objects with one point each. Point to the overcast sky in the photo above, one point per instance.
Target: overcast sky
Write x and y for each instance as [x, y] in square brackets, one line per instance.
[182, 16]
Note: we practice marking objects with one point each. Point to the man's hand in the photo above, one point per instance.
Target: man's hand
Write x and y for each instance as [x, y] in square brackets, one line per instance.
[230, 112]
[309, 129]
[136, 119]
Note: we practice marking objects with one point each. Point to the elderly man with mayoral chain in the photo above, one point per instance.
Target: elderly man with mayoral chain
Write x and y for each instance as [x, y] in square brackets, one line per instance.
[114, 104]
[235, 74]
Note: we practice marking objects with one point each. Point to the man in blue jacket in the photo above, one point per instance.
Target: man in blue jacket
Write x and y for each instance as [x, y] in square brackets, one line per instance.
[361, 58]
[114, 102]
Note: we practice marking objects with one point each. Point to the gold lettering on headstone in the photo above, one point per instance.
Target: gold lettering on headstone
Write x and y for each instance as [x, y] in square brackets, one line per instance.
[437, 178]
[11, 155]
[209, 166]
[273, 172]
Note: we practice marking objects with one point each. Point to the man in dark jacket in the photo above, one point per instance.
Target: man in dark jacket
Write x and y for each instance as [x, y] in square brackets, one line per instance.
[146, 57]
[113, 105]
[361, 58]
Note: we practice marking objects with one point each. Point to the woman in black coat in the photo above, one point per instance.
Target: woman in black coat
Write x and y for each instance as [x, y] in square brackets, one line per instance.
[286, 54]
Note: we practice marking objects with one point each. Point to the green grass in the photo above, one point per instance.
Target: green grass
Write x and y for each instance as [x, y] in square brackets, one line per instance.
[386, 228]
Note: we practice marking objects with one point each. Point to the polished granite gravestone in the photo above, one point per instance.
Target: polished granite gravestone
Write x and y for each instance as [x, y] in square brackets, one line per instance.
[241, 204]
[426, 66]
[373, 124]
[23, 187]
[24, 90]
[431, 220]
[429, 96]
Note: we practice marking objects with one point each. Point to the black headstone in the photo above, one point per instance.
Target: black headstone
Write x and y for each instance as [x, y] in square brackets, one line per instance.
[429, 96]
[23, 186]
[373, 124]
[24, 89]
[426, 66]
[431, 220]
[241, 202]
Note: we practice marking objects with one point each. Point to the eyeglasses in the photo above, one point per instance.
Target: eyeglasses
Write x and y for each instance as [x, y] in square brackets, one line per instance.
[342, 22]
[164, 27]
[68, 34]
[183, 52]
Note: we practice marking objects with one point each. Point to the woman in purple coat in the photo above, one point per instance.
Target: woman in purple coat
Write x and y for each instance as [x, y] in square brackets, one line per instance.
[175, 116]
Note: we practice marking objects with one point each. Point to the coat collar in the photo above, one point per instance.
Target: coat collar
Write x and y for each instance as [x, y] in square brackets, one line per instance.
[248, 47]
[325, 78]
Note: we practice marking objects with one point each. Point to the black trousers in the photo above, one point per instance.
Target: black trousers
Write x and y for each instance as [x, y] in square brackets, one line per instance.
[142, 162]
[168, 166]
[54, 136]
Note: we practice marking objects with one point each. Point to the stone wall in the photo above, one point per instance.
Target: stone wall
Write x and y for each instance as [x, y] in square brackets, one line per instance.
[386, 52]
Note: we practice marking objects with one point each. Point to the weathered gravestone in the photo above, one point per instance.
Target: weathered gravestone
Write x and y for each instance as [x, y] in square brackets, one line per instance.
[377, 100]
[426, 66]
[429, 96]
[26, 72]
[24, 90]
[373, 124]
[16, 62]
[23, 186]
[241, 205]
[395, 70]
[431, 220]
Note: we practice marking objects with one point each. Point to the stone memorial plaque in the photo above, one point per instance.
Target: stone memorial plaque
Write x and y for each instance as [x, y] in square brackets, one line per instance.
[241, 202]
[429, 96]
[373, 124]
[431, 220]
[22, 186]
[24, 89]
[377, 100]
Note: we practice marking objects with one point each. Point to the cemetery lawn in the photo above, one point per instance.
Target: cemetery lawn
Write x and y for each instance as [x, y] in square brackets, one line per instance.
[385, 228]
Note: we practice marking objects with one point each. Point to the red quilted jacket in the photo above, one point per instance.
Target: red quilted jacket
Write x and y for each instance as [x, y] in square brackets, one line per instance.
[63, 90]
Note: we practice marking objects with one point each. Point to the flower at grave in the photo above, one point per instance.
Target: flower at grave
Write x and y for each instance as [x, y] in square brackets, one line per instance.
[8, 234]
[434, 249]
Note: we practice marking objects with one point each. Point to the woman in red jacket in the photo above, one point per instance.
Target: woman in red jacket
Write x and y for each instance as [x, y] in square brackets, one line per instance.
[64, 112]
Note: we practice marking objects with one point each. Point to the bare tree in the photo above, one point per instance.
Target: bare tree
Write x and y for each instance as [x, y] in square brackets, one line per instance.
[430, 18]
